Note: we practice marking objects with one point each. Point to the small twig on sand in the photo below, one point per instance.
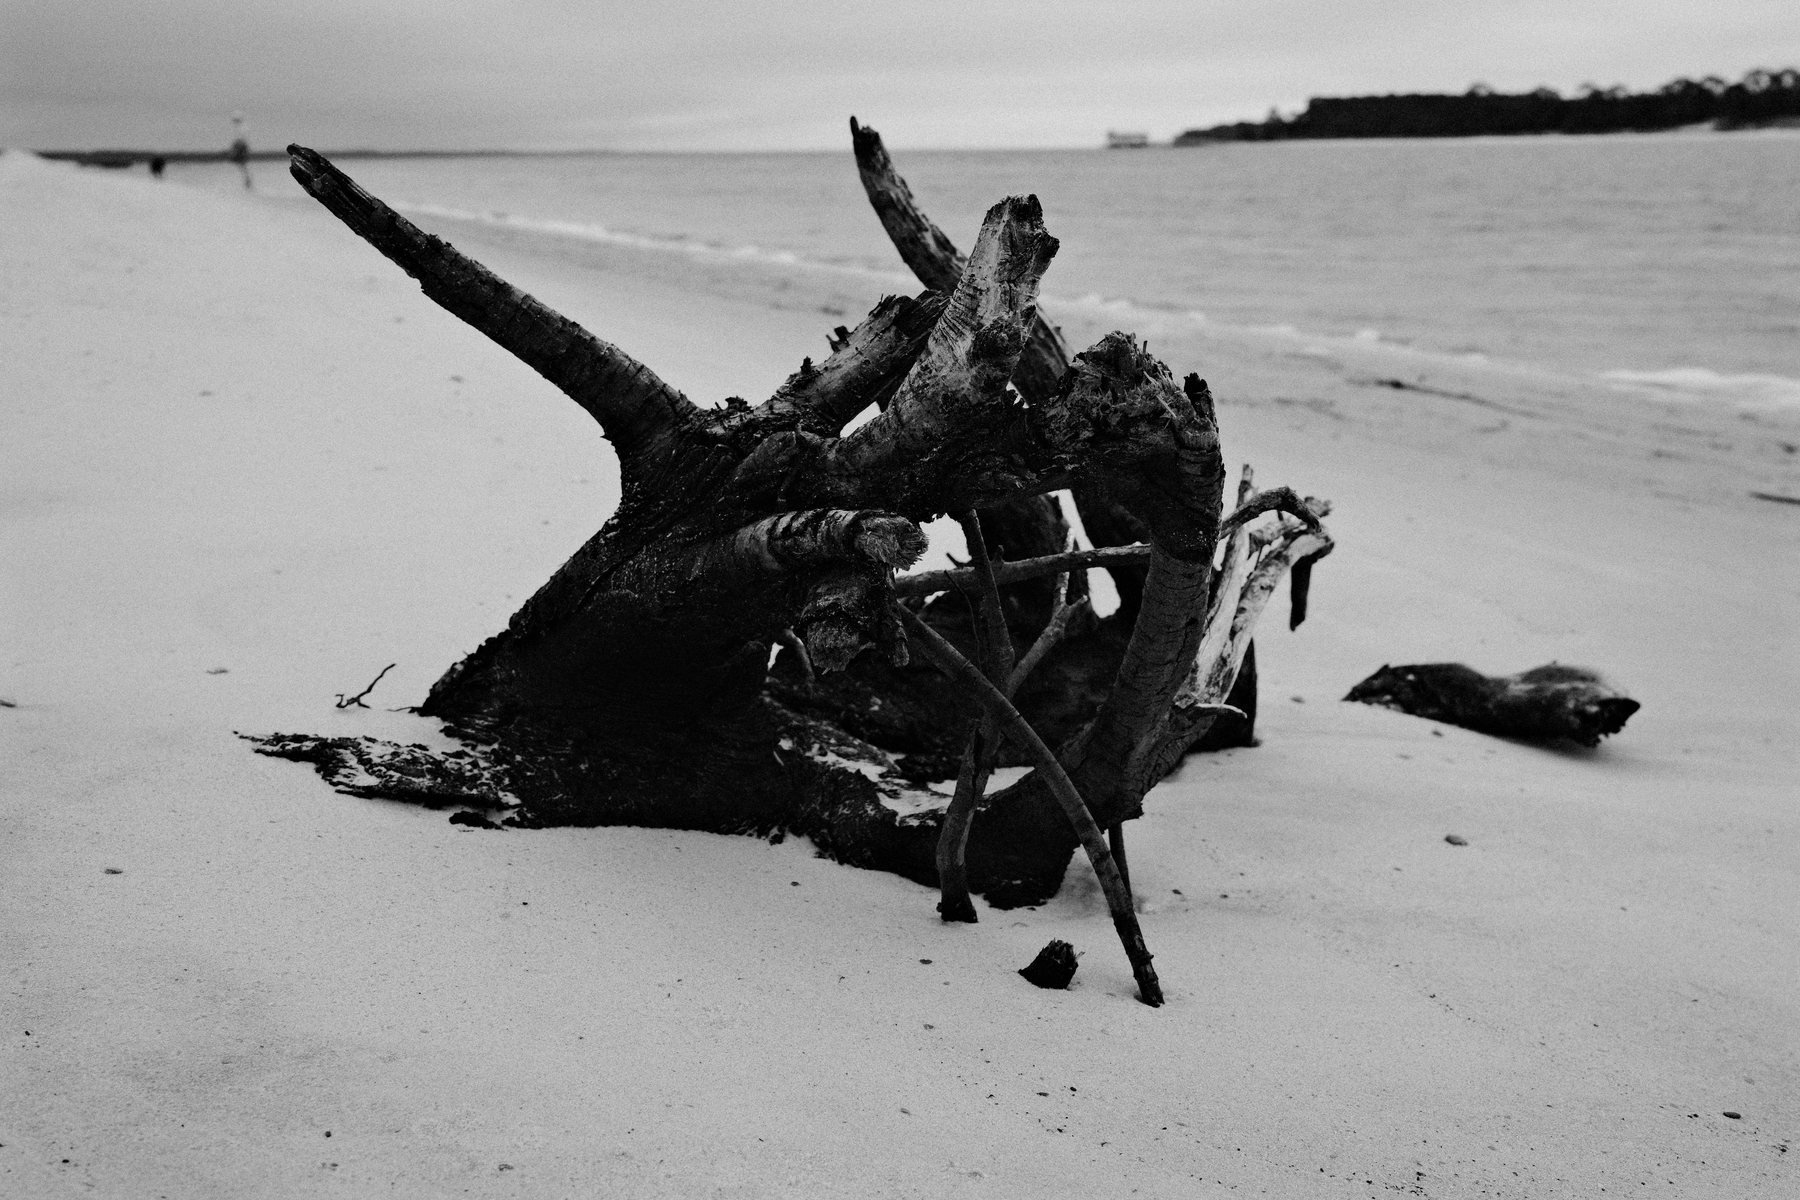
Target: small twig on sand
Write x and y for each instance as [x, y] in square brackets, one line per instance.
[1118, 899]
[345, 702]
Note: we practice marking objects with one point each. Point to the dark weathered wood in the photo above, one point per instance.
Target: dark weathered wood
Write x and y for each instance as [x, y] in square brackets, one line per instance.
[1545, 704]
[639, 412]
[996, 659]
[927, 582]
[1062, 613]
[1053, 967]
[1015, 727]
[865, 367]
[634, 687]
[937, 262]
[934, 258]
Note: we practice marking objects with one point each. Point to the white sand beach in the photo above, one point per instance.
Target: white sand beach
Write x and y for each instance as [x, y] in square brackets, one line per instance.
[244, 464]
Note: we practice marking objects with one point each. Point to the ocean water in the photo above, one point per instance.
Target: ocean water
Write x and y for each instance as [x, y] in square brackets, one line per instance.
[1669, 262]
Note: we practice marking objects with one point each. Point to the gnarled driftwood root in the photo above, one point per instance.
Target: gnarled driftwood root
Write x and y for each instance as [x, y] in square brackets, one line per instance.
[635, 686]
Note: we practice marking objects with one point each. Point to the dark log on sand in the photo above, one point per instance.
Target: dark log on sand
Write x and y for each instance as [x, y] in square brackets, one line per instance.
[1545, 704]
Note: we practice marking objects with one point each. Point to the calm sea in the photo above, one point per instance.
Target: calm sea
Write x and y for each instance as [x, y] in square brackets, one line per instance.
[1667, 260]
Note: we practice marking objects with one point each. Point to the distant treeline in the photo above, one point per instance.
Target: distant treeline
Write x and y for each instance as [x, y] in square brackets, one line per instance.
[1760, 98]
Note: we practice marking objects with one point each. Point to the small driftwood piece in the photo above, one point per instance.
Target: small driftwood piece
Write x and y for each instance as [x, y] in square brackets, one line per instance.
[1545, 704]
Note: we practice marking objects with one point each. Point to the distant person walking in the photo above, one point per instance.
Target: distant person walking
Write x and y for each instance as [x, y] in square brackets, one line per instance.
[157, 164]
[240, 147]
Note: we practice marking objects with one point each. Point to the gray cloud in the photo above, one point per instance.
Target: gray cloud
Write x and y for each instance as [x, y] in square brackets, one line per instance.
[640, 74]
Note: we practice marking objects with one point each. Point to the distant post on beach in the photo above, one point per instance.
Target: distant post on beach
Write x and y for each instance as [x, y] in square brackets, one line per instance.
[240, 147]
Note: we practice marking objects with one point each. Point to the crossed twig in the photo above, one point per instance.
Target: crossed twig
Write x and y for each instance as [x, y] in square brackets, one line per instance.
[357, 700]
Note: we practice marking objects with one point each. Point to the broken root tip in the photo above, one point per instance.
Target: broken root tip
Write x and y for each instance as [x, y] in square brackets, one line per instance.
[959, 909]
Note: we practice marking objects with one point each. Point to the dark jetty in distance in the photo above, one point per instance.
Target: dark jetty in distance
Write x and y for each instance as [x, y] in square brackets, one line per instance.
[1760, 98]
[130, 158]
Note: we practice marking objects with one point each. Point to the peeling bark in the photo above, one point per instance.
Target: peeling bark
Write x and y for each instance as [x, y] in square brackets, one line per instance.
[934, 258]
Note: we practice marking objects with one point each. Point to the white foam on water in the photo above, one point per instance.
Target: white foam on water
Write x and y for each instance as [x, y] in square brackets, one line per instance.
[1696, 384]
[1128, 312]
[1119, 308]
[1703, 384]
[588, 231]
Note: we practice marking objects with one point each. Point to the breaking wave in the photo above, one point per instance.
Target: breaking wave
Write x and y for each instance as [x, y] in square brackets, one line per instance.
[691, 247]
[1130, 311]
[1704, 384]
[1697, 384]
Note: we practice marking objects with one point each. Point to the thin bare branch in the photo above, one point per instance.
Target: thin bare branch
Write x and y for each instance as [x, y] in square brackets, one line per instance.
[1060, 616]
[926, 583]
[1281, 499]
[979, 756]
[1015, 727]
[984, 741]
[357, 700]
[997, 647]
[637, 410]
[790, 641]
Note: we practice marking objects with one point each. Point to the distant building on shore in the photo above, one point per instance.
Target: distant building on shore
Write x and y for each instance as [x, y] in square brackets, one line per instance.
[1116, 140]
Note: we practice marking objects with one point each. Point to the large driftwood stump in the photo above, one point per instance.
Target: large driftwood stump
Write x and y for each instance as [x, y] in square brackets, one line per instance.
[635, 686]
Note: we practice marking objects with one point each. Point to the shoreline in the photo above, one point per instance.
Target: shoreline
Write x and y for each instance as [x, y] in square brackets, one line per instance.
[1569, 282]
[125, 158]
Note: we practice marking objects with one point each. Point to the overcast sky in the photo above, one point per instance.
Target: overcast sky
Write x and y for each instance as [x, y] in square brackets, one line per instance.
[703, 74]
